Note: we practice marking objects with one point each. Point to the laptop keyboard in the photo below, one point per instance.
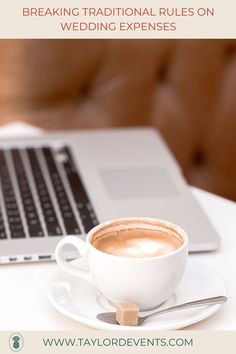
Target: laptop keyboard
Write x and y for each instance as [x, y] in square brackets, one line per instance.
[3, 234]
[11, 206]
[67, 213]
[29, 207]
[42, 194]
[52, 224]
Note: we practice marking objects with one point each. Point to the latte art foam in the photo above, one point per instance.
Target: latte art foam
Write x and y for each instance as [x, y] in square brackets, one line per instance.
[137, 243]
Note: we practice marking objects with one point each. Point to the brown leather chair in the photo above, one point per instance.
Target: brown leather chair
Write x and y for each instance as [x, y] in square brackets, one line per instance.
[185, 88]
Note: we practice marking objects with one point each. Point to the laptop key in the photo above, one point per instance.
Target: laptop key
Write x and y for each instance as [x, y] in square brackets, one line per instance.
[16, 234]
[3, 234]
[84, 206]
[68, 216]
[52, 225]
[10, 201]
[26, 196]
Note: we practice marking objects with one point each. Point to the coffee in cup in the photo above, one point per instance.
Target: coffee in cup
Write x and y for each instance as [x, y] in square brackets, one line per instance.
[137, 243]
[131, 260]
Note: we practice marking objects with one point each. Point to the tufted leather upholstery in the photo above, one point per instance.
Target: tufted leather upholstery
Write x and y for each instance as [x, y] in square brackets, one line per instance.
[185, 88]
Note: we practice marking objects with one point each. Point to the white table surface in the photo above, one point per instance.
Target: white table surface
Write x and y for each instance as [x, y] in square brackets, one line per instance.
[23, 287]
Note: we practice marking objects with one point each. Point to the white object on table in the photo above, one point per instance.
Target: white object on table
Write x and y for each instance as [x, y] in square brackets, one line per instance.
[81, 301]
[18, 129]
[23, 287]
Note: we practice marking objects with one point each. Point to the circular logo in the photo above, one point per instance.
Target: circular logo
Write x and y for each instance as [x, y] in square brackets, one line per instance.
[16, 342]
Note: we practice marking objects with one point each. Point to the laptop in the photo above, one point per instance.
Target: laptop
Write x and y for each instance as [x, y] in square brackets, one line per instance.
[63, 184]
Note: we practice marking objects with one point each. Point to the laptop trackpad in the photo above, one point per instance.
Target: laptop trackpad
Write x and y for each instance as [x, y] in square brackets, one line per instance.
[138, 182]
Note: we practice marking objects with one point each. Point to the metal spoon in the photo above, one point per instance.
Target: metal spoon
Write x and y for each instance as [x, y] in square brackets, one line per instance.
[110, 317]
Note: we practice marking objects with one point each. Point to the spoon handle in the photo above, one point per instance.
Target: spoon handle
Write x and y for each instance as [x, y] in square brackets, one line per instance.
[196, 303]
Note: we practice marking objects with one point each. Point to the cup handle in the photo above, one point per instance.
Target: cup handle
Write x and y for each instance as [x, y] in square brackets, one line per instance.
[64, 264]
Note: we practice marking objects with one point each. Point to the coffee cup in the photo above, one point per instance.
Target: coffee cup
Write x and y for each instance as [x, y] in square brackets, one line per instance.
[131, 260]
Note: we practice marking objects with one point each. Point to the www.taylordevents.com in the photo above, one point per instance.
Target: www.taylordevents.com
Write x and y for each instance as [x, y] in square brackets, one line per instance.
[118, 342]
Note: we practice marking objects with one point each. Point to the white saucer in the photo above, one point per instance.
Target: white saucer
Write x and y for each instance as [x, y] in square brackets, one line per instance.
[79, 300]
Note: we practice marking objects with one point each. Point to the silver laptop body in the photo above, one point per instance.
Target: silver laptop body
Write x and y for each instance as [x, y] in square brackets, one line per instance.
[65, 183]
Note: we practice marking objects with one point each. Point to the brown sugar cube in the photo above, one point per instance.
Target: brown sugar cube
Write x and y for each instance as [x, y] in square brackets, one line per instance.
[127, 314]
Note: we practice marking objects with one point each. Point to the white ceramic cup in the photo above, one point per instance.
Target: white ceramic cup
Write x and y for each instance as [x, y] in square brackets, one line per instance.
[147, 282]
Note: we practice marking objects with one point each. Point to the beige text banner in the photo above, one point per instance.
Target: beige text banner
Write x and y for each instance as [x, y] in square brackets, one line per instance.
[118, 19]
